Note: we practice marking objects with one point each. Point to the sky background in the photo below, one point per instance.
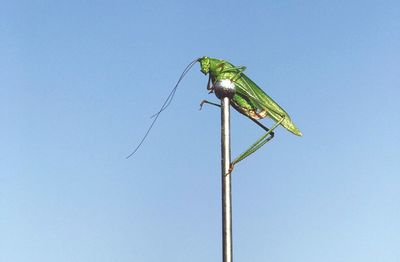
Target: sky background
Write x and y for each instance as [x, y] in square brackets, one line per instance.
[79, 81]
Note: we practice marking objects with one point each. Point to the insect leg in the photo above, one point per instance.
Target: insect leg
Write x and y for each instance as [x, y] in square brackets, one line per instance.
[257, 145]
[208, 102]
[262, 126]
[209, 84]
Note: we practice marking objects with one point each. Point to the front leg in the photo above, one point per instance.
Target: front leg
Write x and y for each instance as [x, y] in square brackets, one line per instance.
[210, 86]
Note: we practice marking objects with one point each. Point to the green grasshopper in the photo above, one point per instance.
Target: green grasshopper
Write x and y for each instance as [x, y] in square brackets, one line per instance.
[249, 100]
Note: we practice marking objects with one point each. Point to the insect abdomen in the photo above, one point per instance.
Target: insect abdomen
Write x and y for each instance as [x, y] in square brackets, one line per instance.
[244, 106]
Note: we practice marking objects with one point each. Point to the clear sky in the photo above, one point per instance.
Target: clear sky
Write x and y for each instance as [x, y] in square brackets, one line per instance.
[80, 80]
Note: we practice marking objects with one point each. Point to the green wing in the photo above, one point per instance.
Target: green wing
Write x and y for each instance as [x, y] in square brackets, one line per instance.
[246, 88]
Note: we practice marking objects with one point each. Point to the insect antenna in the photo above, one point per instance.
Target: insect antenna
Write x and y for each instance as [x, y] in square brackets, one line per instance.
[166, 103]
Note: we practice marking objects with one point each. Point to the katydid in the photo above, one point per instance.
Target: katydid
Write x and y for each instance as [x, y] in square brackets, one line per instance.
[248, 99]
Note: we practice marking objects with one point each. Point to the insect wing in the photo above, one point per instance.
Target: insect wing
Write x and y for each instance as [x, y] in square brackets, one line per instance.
[246, 87]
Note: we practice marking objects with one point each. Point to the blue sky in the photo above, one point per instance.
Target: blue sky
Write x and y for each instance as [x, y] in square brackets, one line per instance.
[80, 80]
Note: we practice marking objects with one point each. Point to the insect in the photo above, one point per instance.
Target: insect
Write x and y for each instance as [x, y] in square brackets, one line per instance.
[249, 100]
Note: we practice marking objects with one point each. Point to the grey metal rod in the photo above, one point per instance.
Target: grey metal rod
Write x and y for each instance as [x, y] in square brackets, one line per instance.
[226, 181]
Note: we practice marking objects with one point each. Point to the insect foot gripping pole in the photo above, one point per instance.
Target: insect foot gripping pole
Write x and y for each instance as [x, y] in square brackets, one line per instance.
[225, 90]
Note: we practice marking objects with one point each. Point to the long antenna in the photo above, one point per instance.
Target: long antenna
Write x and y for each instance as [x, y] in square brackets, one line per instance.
[166, 103]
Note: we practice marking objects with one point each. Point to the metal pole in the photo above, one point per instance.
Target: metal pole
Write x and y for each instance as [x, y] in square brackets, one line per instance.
[226, 181]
